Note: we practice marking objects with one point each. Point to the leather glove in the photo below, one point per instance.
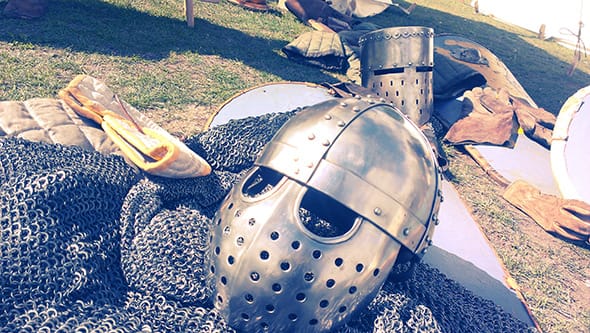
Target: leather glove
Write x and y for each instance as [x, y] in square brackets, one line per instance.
[143, 142]
[487, 117]
[536, 123]
[569, 218]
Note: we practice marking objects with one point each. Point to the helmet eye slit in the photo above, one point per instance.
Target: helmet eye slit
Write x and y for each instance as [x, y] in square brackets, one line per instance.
[260, 182]
[324, 216]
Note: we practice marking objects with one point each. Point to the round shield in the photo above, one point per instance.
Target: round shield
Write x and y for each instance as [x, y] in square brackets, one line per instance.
[270, 97]
[569, 147]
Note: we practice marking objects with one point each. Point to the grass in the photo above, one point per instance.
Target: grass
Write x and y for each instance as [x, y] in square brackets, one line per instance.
[144, 51]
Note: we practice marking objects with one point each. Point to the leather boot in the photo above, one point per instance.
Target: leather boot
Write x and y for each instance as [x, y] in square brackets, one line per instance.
[25, 9]
[567, 217]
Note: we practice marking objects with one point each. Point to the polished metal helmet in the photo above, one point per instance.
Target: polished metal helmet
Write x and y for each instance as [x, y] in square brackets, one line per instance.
[312, 231]
[397, 63]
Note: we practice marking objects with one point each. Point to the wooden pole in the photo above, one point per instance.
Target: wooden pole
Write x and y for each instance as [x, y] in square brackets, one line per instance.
[190, 16]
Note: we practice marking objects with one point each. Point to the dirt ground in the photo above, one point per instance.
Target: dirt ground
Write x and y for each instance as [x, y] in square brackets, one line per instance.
[553, 273]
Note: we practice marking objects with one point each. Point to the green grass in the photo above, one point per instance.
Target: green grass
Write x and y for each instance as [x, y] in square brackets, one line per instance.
[144, 51]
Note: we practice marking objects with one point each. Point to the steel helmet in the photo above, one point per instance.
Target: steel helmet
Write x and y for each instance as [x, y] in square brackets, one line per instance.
[311, 232]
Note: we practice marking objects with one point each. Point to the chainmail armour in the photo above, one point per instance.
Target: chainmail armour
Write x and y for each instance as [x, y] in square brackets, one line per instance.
[89, 244]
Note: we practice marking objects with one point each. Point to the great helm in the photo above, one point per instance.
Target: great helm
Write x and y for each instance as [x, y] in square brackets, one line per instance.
[397, 63]
[311, 232]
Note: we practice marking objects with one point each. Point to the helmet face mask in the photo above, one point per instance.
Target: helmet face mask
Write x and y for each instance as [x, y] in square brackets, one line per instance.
[291, 253]
[321, 217]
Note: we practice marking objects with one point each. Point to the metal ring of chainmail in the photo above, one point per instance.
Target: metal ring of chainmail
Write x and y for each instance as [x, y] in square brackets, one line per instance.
[88, 244]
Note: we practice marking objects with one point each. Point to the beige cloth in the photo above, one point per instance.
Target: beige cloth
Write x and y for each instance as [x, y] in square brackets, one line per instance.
[52, 121]
[90, 116]
[143, 142]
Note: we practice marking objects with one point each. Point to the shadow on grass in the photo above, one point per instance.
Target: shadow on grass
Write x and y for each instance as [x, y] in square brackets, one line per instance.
[93, 26]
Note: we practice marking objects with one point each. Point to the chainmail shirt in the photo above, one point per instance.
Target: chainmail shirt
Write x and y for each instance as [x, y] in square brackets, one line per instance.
[89, 244]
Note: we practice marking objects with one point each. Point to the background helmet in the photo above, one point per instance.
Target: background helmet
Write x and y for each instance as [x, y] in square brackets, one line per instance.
[398, 63]
[311, 232]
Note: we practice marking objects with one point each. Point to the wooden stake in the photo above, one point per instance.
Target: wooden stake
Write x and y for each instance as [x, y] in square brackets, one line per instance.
[190, 16]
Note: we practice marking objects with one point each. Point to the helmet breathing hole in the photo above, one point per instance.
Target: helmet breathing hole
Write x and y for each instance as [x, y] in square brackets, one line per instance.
[359, 267]
[316, 254]
[292, 316]
[249, 298]
[342, 309]
[324, 303]
[324, 216]
[264, 255]
[313, 322]
[295, 245]
[376, 272]
[308, 277]
[285, 266]
[274, 235]
[270, 308]
[254, 276]
[260, 182]
[338, 262]
[219, 299]
[330, 283]
[223, 280]
[300, 297]
[245, 316]
[276, 287]
[352, 290]
[230, 260]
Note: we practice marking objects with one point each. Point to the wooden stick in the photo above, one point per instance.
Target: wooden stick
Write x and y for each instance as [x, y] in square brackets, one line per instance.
[190, 17]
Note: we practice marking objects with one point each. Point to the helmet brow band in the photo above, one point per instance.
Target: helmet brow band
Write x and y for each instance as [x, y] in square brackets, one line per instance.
[336, 182]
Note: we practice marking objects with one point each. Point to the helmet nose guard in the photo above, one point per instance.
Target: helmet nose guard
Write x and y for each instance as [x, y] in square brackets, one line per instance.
[310, 234]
